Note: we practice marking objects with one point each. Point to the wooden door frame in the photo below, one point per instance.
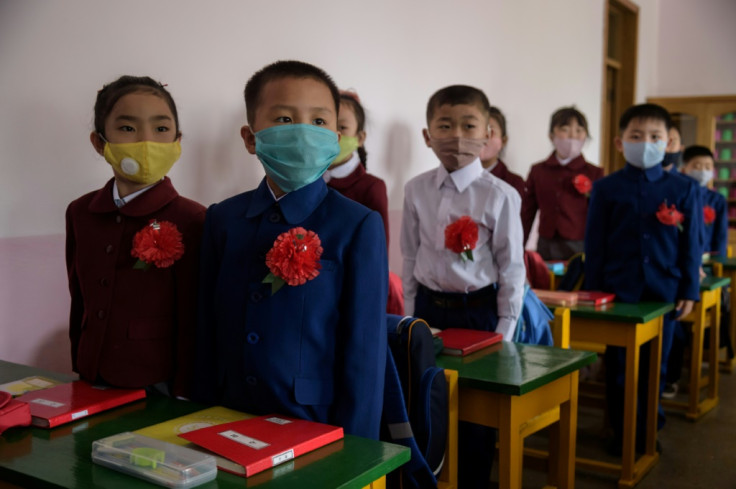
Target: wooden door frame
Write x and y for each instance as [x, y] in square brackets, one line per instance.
[627, 85]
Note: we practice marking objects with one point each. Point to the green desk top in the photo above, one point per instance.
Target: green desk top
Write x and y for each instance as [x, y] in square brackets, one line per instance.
[713, 283]
[61, 457]
[728, 263]
[624, 312]
[515, 368]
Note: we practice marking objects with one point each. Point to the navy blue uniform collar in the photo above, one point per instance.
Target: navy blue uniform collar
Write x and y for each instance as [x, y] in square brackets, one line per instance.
[295, 206]
[651, 174]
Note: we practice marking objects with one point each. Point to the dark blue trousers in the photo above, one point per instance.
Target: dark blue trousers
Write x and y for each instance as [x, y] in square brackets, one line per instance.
[477, 310]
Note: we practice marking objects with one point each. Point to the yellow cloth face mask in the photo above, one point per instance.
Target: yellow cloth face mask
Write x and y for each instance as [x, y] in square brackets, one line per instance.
[142, 162]
[348, 144]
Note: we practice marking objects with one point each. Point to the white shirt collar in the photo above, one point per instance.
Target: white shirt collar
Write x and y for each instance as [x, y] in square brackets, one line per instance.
[343, 170]
[463, 177]
[494, 165]
[565, 161]
[273, 194]
[121, 201]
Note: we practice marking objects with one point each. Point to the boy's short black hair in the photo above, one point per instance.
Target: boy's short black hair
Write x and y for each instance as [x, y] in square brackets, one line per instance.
[458, 95]
[564, 115]
[695, 151]
[644, 112]
[284, 69]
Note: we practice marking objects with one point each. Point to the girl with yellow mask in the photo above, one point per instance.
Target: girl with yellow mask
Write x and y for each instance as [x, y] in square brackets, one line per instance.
[132, 249]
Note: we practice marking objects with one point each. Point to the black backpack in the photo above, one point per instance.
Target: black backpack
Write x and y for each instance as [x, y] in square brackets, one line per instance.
[574, 274]
[415, 405]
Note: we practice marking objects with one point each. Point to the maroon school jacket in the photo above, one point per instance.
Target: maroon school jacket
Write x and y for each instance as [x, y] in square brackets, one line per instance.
[365, 189]
[501, 171]
[131, 327]
[562, 209]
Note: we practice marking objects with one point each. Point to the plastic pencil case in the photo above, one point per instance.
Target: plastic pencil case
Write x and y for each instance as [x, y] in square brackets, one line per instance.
[154, 460]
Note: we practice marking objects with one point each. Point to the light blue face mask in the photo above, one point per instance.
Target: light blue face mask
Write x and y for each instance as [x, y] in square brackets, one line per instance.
[644, 155]
[295, 155]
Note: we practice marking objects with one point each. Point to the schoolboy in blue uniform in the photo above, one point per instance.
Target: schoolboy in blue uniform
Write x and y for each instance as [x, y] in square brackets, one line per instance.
[317, 350]
[484, 293]
[698, 164]
[630, 252]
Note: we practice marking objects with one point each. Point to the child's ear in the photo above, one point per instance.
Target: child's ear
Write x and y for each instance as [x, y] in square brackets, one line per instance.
[425, 133]
[361, 138]
[504, 140]
[249, 138]
[619, 144]
[97, 143]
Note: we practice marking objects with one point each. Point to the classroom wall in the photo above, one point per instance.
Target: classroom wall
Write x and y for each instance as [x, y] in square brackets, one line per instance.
[530, 56]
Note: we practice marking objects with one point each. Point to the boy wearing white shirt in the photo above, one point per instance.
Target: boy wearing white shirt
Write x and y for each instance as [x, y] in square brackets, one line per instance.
[478, 287]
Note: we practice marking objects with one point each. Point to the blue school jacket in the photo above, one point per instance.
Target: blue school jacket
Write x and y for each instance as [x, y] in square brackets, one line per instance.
[628, 251]
[715, 235]
[315, 351]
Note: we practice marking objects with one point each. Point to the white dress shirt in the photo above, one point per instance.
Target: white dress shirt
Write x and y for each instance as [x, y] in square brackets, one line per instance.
[121, 201]
[344, 170]
[435, 199]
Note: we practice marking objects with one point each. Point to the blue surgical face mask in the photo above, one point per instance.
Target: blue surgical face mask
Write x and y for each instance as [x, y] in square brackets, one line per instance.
[295, 155]
[644, 155]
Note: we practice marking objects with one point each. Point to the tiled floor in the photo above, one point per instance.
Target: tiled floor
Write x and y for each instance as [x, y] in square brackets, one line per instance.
[698, 454]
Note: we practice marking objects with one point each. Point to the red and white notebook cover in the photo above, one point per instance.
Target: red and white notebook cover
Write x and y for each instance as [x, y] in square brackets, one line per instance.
[557, 297]
[68, 402]
[257, 444]
[590, 298]
[462, 341]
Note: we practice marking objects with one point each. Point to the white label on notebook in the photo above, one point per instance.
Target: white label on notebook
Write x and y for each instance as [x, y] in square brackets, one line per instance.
[80, 414]
[244, 440]
[282, 457]
[46, 402]
[280, 421]
[38, 382]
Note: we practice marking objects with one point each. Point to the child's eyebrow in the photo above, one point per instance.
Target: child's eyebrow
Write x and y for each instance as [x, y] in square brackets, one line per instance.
[132, 118]
[291, 107]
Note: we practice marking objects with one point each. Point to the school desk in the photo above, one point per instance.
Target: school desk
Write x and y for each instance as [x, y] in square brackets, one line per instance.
[61, 457]
[726, 267]
[520, 389]
[707, 314]
[629, 326]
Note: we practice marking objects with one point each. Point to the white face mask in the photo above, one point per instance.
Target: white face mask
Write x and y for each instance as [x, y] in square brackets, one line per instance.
[702, 176]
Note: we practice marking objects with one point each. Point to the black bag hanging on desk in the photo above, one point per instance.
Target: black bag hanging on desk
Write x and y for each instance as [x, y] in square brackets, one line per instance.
[415, 405]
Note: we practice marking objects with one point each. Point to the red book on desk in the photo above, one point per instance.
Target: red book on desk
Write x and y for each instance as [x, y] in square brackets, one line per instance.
[590, 298]
[461, 341]
[257, 444]
[64, 403]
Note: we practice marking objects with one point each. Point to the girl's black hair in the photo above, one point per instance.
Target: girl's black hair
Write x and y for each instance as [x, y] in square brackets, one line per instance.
[563, 116]
[352, 100]
[112, 92]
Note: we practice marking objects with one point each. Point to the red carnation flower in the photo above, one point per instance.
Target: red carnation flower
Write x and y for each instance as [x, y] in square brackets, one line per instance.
[709, 215]
[159, 244]
[461, 237]
[670, 216]
[293, 259]
[582, 184]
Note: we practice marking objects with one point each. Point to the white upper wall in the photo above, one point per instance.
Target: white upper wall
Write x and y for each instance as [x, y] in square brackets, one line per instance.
[697, 48]
[529, 56]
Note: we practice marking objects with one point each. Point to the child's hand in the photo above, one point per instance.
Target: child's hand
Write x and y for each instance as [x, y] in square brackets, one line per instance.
[684, 307]
[702, 274]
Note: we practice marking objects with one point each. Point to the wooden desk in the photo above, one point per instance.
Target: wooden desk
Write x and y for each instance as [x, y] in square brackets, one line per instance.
[629, 326]
[520, 389]
[61, 457]
[707, 314]
[726, 267]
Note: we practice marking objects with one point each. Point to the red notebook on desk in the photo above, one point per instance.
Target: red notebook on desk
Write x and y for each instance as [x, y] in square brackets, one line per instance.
[460, 341]
[590, 298]
[257, 444]
[64, 403]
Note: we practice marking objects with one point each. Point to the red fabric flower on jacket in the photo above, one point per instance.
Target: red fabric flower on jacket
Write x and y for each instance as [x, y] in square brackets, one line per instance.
[709, 215]
[293, 259]
[159, 243]
[670, 216]
[582, 184]
[461, 237]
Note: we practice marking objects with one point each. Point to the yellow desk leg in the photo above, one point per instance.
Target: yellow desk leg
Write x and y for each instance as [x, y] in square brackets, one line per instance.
[631, 384]
[377, 484]
[561, 327]
[509, 436]
[563, 474]
[696, 358]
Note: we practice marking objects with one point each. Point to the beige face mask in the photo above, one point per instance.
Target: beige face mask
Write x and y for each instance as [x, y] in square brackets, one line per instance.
[142, 162]
[456, 153]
